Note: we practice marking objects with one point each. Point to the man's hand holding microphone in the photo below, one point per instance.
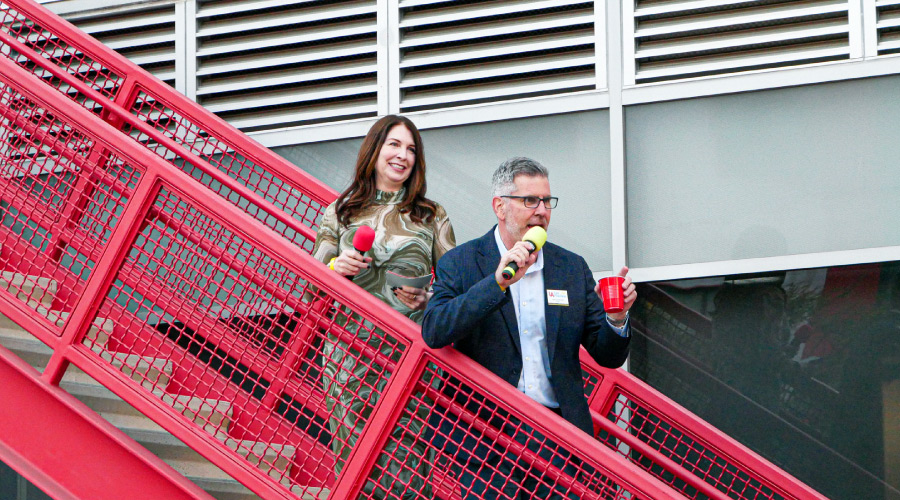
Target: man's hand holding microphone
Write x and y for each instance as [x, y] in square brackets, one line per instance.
[515, 263]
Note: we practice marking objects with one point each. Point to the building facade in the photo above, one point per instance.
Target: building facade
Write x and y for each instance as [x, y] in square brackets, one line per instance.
[740, 156]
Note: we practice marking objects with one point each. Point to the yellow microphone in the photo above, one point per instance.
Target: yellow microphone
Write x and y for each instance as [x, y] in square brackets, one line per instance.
[537, 237]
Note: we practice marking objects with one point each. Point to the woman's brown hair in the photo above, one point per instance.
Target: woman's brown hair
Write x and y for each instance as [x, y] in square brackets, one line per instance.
[361, 192]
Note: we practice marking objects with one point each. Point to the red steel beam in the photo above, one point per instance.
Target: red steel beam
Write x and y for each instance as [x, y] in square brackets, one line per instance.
[68, 451]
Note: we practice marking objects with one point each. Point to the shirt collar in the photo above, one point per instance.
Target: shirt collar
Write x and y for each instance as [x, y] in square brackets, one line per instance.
[537, 266]
[390, 197]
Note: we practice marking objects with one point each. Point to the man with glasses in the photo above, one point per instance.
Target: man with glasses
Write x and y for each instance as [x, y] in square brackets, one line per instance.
[527, 329]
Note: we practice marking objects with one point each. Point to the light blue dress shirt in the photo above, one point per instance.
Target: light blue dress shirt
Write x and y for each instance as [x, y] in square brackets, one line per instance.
[528, 299]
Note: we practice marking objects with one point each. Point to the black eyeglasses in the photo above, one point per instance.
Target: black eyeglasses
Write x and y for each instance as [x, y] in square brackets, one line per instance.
[533, 201]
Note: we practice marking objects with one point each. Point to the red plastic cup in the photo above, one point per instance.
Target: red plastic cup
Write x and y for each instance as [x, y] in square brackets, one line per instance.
[612, 293]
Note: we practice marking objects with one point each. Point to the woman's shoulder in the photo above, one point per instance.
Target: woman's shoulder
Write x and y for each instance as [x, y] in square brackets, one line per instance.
[329, 217]
[439, 212]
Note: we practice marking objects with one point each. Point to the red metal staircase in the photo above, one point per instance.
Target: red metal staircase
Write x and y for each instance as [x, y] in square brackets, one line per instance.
[159, 252]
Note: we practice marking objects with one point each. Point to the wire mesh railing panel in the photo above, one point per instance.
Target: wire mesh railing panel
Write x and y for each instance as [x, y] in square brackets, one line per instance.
[60, 198]
[687, 452]
[453, 440]
[174, 117]
[592, 380]
[65, 56]
[284, 194]
[245, 347]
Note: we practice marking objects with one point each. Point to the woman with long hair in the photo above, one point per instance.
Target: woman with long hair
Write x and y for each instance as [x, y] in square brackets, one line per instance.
[412, 233]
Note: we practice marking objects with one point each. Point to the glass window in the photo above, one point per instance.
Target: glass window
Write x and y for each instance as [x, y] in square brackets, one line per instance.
[801, 366]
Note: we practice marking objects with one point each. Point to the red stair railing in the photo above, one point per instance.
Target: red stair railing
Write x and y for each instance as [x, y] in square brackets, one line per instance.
[193, 240]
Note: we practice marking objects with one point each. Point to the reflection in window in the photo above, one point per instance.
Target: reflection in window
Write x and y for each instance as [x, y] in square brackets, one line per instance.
[801, 366]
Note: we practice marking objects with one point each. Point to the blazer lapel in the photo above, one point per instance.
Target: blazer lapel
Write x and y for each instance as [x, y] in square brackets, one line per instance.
[554, 279]
[487, 264]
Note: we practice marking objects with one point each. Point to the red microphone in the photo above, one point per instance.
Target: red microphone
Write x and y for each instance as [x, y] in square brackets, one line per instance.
[363, 239]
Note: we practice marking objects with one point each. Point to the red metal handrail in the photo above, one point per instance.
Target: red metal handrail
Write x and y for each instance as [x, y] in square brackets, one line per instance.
[191, 250]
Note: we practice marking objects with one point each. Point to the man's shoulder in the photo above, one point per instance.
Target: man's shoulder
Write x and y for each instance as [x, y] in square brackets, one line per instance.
[466, 251]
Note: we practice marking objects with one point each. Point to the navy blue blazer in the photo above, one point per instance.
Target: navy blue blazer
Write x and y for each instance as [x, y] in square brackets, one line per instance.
[471, 313]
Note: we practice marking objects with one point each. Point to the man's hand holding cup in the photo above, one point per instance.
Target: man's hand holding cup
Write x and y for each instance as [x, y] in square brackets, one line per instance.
[618, 295]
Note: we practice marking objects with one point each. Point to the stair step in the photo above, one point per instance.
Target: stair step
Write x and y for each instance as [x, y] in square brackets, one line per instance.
[30, 349]
[223, 489]
[309, 493]
[33, 290]
[175, 453]
[153, 373]
[191, 464]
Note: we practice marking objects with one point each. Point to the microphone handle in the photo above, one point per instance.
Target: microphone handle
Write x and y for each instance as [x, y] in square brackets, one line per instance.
[510, 270]
[363, 254]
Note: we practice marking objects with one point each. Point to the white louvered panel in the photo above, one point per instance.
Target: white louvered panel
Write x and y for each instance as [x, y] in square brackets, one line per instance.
[888, 26]
[523, 26]
[760, 58]
[351, 29]
[257, 120]
[540, 85]
[690, 38]
[233, 6]
[266, 64]
[144, 33]
[239, 65]
[506, 68]
[250, 21]
[270, 98]
[462, 52]
[549, 41]
[277, 78]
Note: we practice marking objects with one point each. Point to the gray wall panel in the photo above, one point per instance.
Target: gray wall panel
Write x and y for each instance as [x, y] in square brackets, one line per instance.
[763, 174]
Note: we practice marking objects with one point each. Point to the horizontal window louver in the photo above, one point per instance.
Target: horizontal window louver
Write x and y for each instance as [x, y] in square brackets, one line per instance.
[145, 34]
[888, 26]
[271, 64]
[683, 39]
[464, 52]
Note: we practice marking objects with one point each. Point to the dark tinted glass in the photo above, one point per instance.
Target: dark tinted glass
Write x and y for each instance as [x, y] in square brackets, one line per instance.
[15, 487]
[802, 367]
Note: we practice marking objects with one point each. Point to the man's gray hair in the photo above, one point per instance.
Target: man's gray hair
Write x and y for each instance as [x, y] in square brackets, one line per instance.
[503, 183]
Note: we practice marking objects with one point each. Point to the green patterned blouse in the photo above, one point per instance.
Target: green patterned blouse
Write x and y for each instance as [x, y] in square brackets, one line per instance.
[401, 245]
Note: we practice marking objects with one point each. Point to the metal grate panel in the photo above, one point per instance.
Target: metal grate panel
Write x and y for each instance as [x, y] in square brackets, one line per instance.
[691, 38]
[887, 26]
[60, 199]
[265, 65]
[256, 356]
[145, 34]
[454, 53]
[283, 193]
[689, 453]
[450, 430]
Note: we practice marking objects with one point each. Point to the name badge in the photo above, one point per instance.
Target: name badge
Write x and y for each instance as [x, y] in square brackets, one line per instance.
[557, 297]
